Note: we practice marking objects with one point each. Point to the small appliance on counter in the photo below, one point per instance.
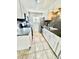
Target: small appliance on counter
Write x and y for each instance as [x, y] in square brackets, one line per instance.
[23, 27]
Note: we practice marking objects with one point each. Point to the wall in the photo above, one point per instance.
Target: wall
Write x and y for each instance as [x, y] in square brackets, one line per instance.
[43, 5]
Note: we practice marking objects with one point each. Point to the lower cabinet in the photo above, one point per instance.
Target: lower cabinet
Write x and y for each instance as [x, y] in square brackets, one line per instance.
[53, 40]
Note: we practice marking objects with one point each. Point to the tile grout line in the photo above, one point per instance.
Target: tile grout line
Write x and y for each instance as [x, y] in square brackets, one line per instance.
[37, 51]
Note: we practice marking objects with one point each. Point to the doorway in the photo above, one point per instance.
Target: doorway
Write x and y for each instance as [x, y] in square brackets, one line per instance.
[35, 19]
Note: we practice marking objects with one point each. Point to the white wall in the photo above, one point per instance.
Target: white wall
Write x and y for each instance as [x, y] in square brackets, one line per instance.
[43, 5]
[57, 3]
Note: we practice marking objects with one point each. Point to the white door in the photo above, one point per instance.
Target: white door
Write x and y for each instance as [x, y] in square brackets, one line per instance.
[36, 24]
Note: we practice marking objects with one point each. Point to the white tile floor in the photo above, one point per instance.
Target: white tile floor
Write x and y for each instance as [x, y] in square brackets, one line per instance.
[39, 49]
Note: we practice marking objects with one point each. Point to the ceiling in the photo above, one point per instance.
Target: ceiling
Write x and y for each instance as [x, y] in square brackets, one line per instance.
[40, 5]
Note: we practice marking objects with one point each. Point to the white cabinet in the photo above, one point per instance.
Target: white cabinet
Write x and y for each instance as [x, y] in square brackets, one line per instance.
[24, 42]
[53, 40]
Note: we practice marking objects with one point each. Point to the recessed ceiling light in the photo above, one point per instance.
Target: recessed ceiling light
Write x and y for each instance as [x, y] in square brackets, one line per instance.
[37, 1]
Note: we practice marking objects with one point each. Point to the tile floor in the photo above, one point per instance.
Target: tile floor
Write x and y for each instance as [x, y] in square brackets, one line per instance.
[39, 49]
